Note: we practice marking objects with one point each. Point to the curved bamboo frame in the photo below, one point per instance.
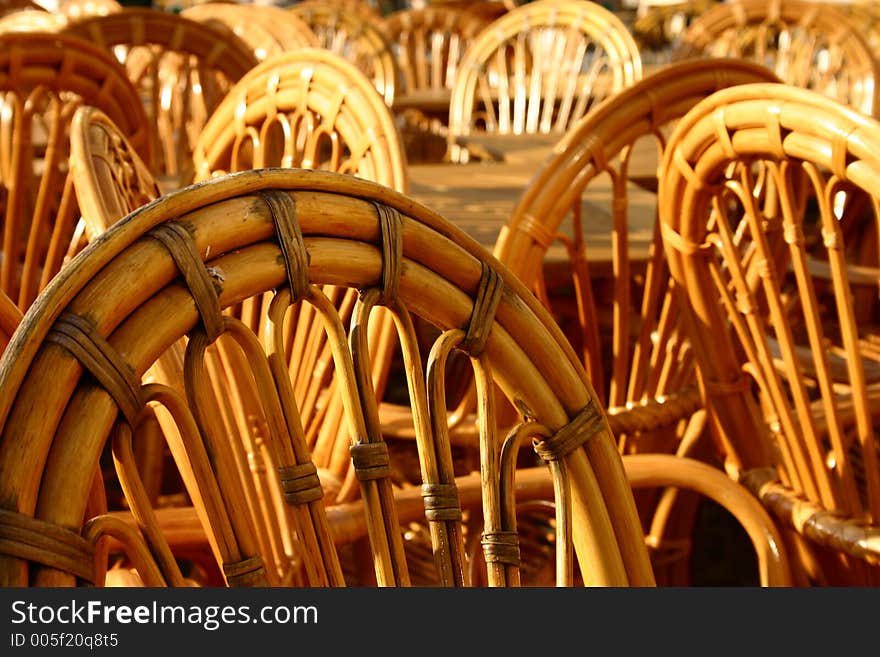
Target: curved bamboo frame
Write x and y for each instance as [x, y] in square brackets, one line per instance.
[359, 39]
[43, 79]
[129, 281]
[311, 109]
[813, 45]
[744, 244]
[586, 54]
[183, 75]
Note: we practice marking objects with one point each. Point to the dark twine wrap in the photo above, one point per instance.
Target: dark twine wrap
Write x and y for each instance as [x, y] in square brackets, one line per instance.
[300, 483]
[587, 423]
[501, 547]
[441, 501]
[247, 572]
[370, 460]
[390, 232]
[97, 356]
[182, 247]
[483, 313]
[282, 207]
[25, 537]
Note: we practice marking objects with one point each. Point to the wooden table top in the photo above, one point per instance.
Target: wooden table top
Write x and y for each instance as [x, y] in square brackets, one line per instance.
[480, 197]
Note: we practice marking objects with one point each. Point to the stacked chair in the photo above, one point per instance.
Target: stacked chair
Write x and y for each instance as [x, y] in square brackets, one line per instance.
[768, 202]
[637, 355]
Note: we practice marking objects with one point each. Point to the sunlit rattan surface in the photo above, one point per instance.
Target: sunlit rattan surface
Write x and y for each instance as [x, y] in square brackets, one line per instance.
[769, 209]
[127, 281]
[808, 44]
[43, 78]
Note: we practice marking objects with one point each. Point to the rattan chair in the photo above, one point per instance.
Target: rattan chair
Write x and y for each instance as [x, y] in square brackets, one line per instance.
[71, 385]
[637, 358]
[43, 79]
[311, 109]
[268, 30]
[109, 177]
[768, 197]
[538, 69]
[182, 68]
[344, 31]
[808, 44]
[428, 44]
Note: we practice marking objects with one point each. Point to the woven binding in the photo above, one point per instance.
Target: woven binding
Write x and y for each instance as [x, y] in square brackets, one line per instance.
[441, 502]
[300, 483]
[25, 537]
[587, 423]
[79, 337]
[501, 547]
[247, 572]
[370, 460]
[182, 247]
[390, 229]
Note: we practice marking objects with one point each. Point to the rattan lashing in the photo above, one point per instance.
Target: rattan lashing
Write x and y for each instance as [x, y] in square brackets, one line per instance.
[43, 78]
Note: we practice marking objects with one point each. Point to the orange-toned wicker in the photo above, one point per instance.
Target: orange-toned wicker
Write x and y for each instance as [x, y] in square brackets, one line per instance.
[487, 10]
[172, 266]
[658, 27]
[99, 152]
[31, 20]
[428, 44]
[346, 32]
[637, 357]
[109, 176]
[182, 68]
[808, 44]
[539, 68]
[43, 78]
[10, 318]
[75, 10]
[311, 109]
[268, 30]
[768, 194]
[240, 21]
[370, 11]
[12, 6]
